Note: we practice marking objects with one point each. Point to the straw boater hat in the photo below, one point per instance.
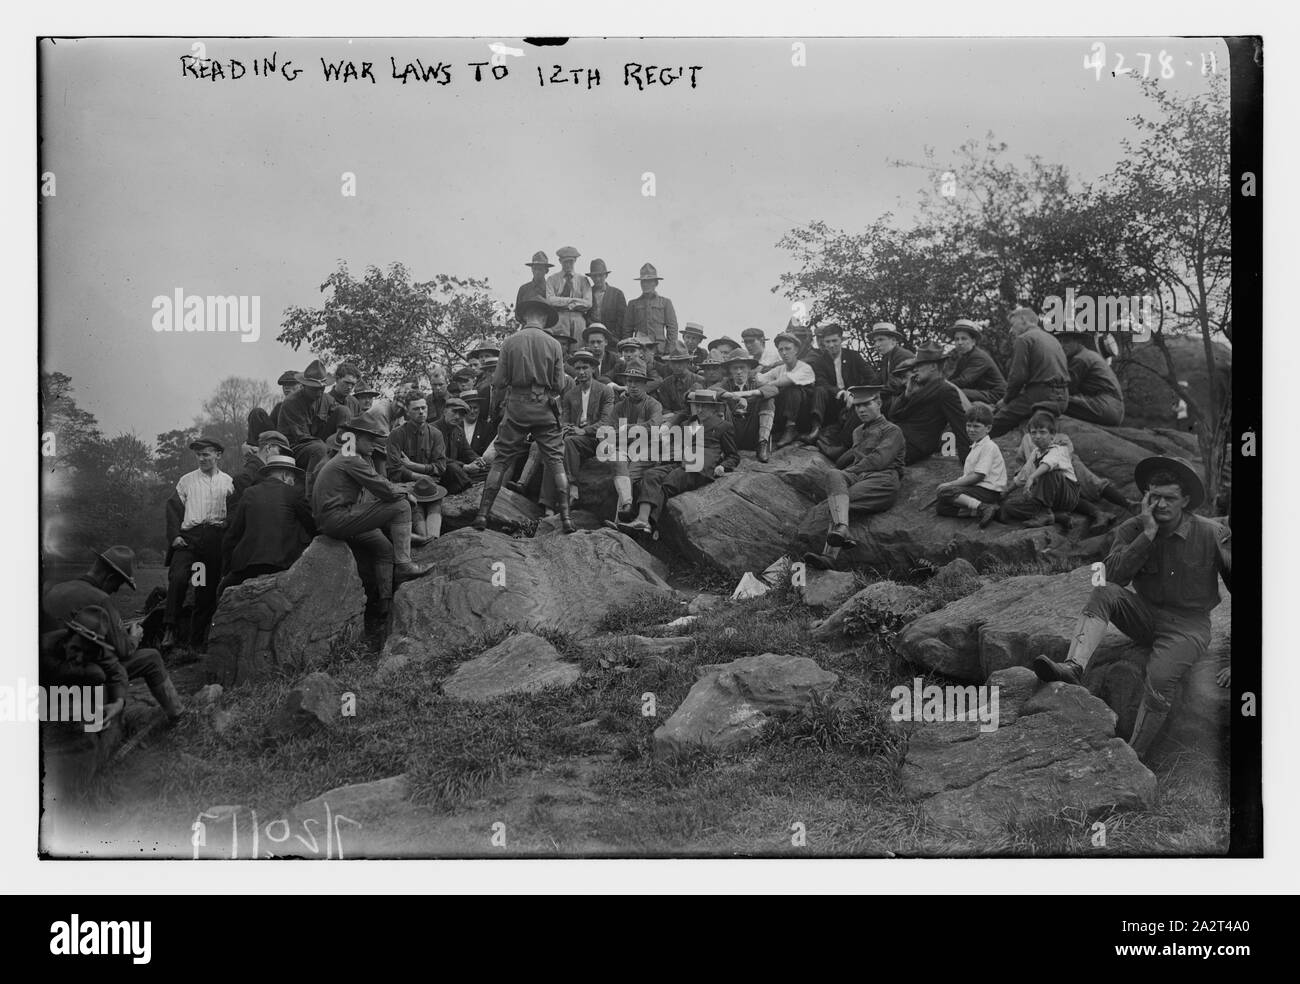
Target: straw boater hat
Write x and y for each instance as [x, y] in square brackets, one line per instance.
[1187, 477]
[692, 328]
[121, 560]
[282, 462]
[582, 355]
[539, 259]
[929, 352]
[710, 363]
[885, 328]
[967, 326]
[648, 272]
[533, 304]
[427, 490]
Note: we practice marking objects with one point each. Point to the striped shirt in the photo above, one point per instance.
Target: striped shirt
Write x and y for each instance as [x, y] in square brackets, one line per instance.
[204, 497]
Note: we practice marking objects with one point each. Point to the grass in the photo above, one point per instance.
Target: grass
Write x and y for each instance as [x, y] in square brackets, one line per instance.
[573, 770]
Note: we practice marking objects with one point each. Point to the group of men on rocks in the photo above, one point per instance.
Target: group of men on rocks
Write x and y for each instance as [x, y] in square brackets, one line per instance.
[334, 457]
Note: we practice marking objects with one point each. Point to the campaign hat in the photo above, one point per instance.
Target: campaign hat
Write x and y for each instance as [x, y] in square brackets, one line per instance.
[122, 560]
[539, 259]
[1190, 481]
[648, 272]
[427, 490]
[371, 422]
[533, 304]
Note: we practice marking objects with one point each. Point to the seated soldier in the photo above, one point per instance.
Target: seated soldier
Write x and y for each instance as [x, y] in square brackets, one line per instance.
[345, 511]
[89, 592]
[82, 651]
[984, 475]
[299, 416]
[1174, 560]
[1045, 490]
[751, 414]
[680, 380]
[460, 458]
[928, 406]
[634, 409]
[866, 477]
[790, 385]
[1095, 393]
[271, 526]
[416, 447]
[971, 369]
[703, 419]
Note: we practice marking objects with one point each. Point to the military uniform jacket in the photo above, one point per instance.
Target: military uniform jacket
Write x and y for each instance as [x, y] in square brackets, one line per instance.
[652, 316]
[878, 446]
[1090, 376]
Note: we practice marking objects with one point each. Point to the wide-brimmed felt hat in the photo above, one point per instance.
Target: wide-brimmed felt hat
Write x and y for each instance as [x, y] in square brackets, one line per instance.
[864, 392]
[201, 443]
[596, 328]
[582, 355]
[632, 369]
[282, 462]
[539, 259]
[597, 266]
[724, 340]
[371, 422]
[648, 272]
[785, 336]
[711, 363]
[427, 490]
[929, 352]
[93, 623]
[122, 560]
[966, 325]
[1191, 483]
[885, 328]
[747, 360]
[287, 377]
[693, 328]
[314, 376]
[677, 353]
[533, 304]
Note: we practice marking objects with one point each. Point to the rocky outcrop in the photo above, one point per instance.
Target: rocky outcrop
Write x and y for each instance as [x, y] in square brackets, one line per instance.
[884, 604]
[523, 663]
[484, 582]
[1009, 622]
[827, 589]
[733, 702]
[290, 620]
[1054, 749]
[511, 513]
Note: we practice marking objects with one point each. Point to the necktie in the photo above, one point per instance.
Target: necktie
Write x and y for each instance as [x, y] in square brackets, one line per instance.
[568, 285]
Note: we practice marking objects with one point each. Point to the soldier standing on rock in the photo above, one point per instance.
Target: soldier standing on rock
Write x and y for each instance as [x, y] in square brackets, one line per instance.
[528, 381]
[1174, 560]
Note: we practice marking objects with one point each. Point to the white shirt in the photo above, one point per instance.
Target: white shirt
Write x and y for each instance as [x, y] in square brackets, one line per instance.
[1058, 457]
[204, 497]
[986, 458]
[838, 362]
[801, 375]
[469, 431]
[586, 395]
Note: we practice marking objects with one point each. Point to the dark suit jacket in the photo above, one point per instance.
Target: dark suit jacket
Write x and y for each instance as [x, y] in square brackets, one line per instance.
[923, 415]
[977, 371]
[272, 525]
[612, 310]
[600, 407]
[852, 365]
[297, 417]
[719, 445]
[458, 448]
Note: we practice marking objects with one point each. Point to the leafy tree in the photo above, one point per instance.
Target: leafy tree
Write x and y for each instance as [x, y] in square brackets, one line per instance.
[393, 327]
[225, 412]
[76, 431]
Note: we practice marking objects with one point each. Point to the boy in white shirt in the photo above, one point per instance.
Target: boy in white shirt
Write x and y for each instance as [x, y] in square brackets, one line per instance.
[1046, 489]
[984, 474]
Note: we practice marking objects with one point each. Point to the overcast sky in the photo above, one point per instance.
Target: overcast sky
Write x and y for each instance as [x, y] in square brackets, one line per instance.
[165, 181]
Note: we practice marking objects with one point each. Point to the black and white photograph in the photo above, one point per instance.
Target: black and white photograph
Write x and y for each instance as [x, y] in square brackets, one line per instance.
[680, 447]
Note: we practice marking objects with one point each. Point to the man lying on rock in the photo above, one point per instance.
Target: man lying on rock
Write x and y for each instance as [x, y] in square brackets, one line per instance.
[867, 475]
[1174, 559]
[720, 456]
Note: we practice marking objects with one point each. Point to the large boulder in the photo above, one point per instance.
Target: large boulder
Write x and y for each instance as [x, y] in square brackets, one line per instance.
[1009, 622]
[1054, 749]
[290, 620]
[1110, 452]
[511, 513]
[483, 582]
[733, 702]
[524, 663]
[884, 604]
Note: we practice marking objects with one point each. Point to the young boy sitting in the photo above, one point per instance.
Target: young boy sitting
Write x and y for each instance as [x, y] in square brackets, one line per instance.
[1045, 490]
[1092, 487]
[984, 475]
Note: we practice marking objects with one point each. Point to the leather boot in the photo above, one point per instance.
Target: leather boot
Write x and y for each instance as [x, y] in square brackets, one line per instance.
[823, 561]
[403, 569]
[788, 436]
[562, 507]
[1146, 728]
[525, 475]
[1088, 633]
[764, 449]
[490, 490]
[169, 700]
[839, 532]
